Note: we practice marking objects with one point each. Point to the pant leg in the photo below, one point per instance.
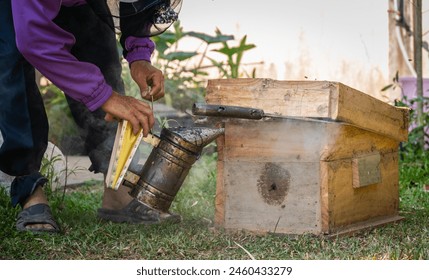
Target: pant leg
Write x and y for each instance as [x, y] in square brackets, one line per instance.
[23, 121]
[96, 43]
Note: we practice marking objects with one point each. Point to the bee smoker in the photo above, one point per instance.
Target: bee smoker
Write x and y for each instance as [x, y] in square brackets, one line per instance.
[167, 166]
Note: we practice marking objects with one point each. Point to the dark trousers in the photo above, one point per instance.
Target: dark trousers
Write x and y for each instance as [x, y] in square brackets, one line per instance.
[23, 121]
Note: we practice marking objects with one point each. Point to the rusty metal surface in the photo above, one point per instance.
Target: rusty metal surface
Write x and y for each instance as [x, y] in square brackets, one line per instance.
[192, 139]
[152, 197]
[201, 109]
[169, 163]
[236, 112]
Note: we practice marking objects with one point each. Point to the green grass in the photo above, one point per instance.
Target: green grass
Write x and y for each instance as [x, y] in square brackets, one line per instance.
[84, 237]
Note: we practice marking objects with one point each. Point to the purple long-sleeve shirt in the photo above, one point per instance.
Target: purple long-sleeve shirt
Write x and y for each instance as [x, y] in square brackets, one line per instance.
[47, 47]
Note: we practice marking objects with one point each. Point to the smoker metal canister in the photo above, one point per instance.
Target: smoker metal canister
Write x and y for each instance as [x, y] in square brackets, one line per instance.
[169, 163]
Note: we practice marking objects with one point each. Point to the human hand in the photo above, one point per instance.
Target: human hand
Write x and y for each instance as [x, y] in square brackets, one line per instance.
[149, 79]
[136, 112]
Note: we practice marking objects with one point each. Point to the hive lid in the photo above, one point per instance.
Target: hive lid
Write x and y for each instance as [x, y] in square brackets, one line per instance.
[313, 99]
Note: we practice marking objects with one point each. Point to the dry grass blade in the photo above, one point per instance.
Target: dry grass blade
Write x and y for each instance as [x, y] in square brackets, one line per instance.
[244, 249]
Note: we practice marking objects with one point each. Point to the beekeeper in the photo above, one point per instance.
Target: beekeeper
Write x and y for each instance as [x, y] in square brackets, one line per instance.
[73, 44]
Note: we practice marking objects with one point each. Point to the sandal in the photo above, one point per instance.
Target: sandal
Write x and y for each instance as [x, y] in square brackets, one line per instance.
[36, 214]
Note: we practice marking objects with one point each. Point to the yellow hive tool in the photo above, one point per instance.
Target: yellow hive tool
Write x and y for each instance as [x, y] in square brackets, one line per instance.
[124, 149]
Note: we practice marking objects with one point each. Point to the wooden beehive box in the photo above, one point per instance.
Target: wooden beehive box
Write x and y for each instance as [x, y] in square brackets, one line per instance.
[329, 167]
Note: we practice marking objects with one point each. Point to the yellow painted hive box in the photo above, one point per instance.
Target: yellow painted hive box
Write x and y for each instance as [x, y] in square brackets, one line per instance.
[328, 164]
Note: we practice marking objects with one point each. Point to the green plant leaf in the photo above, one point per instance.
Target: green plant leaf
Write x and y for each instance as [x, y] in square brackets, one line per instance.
[220, 66]
[199, 73]
[387, 87]
[167, 37]
[210, 39]
[178, 30]
[181, 56]
[231, 51]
